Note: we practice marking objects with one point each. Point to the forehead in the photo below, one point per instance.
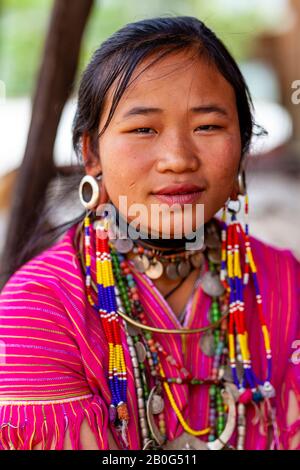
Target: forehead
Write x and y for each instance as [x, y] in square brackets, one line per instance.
[176, 78]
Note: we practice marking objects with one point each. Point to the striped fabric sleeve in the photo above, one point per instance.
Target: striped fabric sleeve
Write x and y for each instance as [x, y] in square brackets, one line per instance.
[289, 398]
[43, 387]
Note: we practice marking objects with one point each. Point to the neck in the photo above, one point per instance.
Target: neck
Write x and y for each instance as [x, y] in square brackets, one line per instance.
[159, 243]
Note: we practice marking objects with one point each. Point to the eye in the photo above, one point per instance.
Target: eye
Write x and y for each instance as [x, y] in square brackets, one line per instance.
[209, 127]
[142, 130]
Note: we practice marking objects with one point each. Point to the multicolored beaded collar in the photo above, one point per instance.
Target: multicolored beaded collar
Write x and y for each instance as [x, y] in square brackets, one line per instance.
[116, 290]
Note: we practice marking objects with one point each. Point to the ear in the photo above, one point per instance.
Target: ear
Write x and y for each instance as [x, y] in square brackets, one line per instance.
[235, 190]
[90, 156]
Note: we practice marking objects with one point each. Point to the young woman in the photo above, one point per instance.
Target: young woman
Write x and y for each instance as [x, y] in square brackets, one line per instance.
[141, 342]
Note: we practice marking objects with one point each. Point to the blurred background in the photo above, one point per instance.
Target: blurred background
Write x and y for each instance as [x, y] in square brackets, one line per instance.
[44, 46]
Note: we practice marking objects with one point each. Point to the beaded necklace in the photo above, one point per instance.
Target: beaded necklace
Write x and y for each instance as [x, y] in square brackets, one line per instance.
[258, 388]
[145, 351]
[130, 299]
[117, 376]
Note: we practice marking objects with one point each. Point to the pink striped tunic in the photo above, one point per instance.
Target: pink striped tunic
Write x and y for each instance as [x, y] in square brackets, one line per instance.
[53, 352]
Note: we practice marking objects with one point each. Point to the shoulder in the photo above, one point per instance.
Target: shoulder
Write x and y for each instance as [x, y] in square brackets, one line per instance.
[276, 264]
[39, 286]
[269, 249]
[45, 388]
[278, 271]
[278, 274]
[56, 266]
[273, 263]
[35, 328]
[56, 262]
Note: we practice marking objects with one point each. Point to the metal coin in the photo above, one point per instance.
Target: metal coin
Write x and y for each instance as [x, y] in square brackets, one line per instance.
[214, 255]
[184, 268]
[157, 404]
[171, 271]
[212, 240]
[141, 263]
[155, 432]
[133, 330]
[124, 245]
[197, 259]
[211, 284]
[155, 270]
[145, 261]
[207, 344]
[140, 351]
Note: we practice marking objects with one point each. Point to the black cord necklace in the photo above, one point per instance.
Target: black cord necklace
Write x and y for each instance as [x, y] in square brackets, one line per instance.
[175, 288]
[165, 245]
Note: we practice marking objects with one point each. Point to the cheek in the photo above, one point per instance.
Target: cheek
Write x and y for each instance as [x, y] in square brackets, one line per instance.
[124, 169]
[222, 164]
[123, 160]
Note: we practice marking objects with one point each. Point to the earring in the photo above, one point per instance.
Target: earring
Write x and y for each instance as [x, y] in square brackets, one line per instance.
[234, 224]
[234, 281]
[106, 303]
[241, 180]
[89, 191]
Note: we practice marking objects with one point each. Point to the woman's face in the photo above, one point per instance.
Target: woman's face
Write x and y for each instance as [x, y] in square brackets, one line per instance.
[175, 126]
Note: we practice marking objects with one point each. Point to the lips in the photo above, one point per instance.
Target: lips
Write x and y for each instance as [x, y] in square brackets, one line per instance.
[179, 189]
[179, 193]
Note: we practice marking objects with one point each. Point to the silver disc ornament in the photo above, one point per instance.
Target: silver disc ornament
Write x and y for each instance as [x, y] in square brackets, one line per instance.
[155, 269]
[140, 351]
[207, 344]
[211, 284]
[133, 330]
[184, 268]
[157, 404]
[171, 271]
[141, 263]
[124, 245]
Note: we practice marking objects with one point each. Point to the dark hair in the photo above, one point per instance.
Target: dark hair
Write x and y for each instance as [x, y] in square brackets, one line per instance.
[115, 60]
[118, 56]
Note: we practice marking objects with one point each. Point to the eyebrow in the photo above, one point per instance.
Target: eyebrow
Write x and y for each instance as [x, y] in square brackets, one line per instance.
[204, 109]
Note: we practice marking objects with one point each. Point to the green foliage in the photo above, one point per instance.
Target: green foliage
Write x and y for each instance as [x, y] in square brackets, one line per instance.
[237, 28]
[23, 25]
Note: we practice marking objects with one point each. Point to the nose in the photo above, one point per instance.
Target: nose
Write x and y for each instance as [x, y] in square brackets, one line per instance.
[177, 154]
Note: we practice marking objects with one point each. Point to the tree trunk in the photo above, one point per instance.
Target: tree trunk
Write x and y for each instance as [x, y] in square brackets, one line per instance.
[54, 85]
